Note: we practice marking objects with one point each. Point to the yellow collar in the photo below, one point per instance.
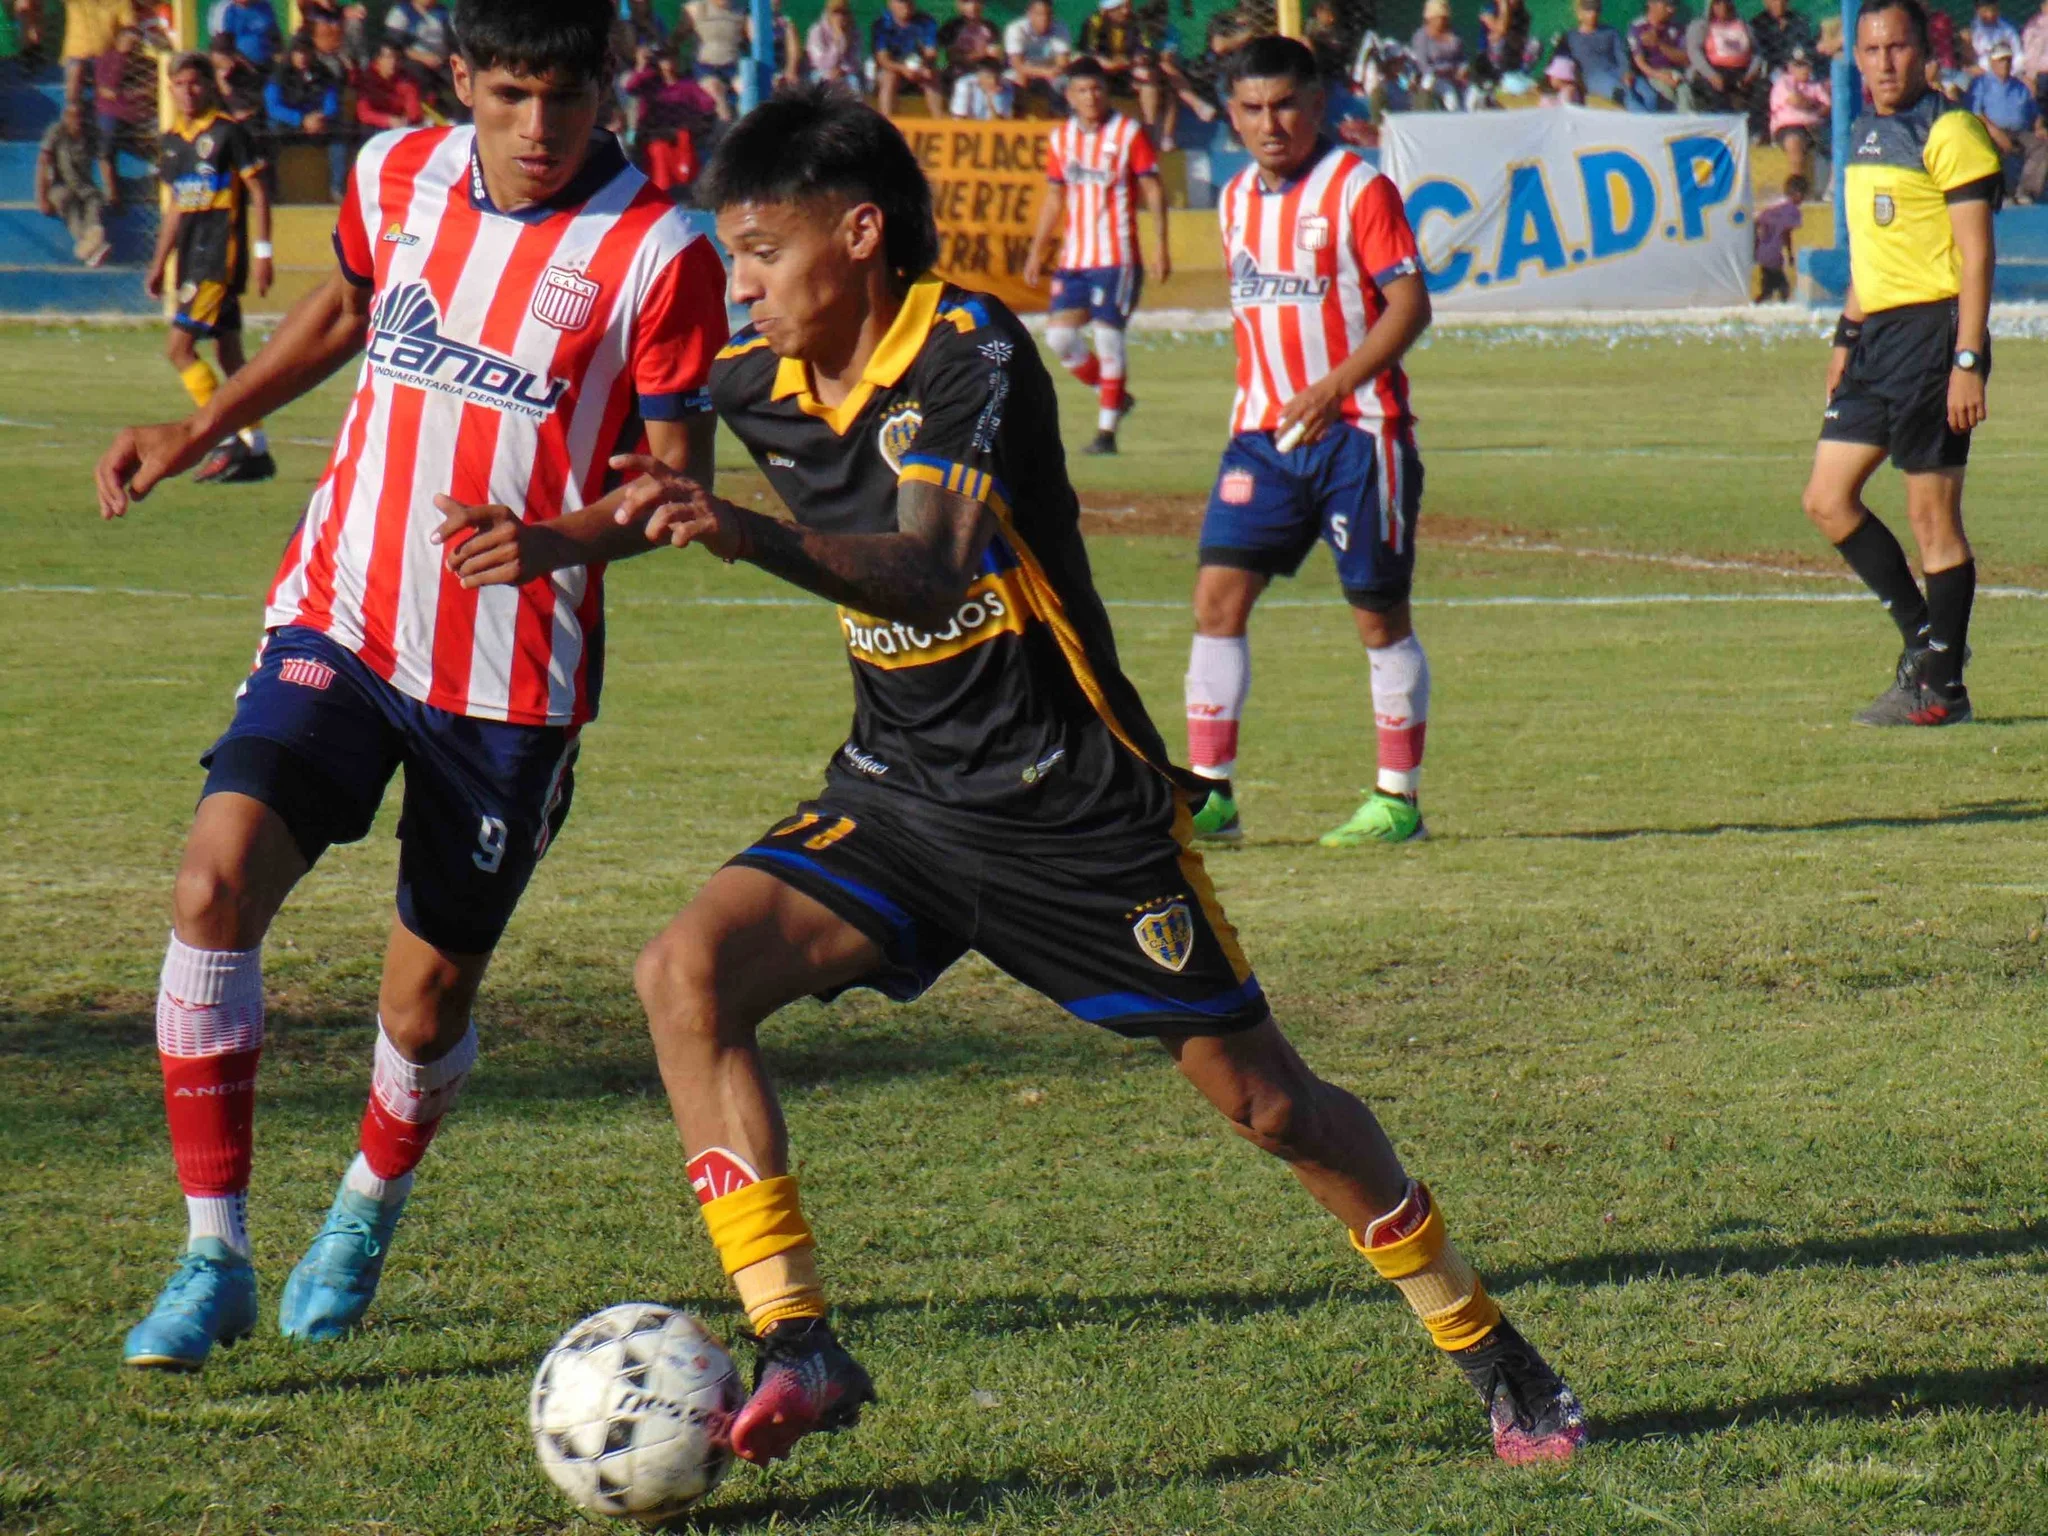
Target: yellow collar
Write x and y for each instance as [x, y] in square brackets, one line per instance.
[198, 125]
[892, 359]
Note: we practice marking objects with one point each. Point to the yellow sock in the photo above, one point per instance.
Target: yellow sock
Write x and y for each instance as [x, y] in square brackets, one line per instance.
[767, 1248]
[1433, 1277]
[200, 381]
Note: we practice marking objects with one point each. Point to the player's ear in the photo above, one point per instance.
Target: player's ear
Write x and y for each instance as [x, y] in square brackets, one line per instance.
[862, 227]
[465, 84]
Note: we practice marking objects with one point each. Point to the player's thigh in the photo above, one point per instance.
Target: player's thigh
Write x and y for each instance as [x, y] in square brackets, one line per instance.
[1073, 296]
[484, 801]
[1258, 518]
[1124, 932]
[1368, 494]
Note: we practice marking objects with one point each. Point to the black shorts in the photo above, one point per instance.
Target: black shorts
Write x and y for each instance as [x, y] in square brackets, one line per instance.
[1894, 393]
[1119, 929]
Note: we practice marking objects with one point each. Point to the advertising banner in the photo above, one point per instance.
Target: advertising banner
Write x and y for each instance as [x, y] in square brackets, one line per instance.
[988, 183]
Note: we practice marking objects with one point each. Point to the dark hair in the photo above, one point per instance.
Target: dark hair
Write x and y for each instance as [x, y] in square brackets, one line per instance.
[1272, 57]
[187, 63]
[1796, 188]
[537, 37]
[1085, 68]
[1916, 14]
[223, 42]
[816, 142]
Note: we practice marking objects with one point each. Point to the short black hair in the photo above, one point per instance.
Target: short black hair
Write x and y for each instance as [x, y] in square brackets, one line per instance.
[817, 142]
[537, 37]
[190, 63]
[1085, 68]
[1272, 57]
[1916, 13]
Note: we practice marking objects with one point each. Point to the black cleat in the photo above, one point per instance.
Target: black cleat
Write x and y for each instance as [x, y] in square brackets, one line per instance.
[1534, 1414]
[804, 1382]
[248, 468]
[220, 461]
[1105, 442]
[1912, 700]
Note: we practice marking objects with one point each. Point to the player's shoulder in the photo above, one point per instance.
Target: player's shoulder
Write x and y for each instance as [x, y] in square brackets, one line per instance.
[971, 328]
[744, 369]
[1954, 126]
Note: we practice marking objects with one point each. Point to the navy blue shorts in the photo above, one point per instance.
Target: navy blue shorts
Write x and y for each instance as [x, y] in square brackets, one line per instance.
[1359, 489]
[1109, 294]
[316, 737]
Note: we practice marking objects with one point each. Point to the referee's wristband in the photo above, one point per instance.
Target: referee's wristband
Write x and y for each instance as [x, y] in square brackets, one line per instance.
[262, 250]
[1847, 331]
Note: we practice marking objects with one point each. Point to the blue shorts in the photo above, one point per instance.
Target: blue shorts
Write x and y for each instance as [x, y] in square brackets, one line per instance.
[1359, 489]
[316, 737]
[1109, 294]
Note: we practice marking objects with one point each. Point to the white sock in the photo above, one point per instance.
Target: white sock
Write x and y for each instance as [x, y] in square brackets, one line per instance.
[223, 1217]
[1218, 681]
[257, 439]
[1400, 708]
[1109, 350]
[362, 1181]
[1065, 343]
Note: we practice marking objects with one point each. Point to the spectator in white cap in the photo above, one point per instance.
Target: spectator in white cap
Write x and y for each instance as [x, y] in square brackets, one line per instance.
[2014, 120]
[1987, 31]
[1439, 56]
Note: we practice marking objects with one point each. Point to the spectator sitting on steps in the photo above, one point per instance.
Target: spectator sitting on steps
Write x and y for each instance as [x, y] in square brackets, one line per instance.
[1801, 103]
[385, 94]
[65, 188]
[302, 101]
[1778, 29]
[1560, 86]
[1439, 54]
[1657, 56]
[2014, 121]
[983, 94]
[905, 45]
[1599, 52]
[1722, 60]
[832, 47]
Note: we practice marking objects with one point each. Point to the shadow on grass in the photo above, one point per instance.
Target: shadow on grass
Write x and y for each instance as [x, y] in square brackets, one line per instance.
[1975, 813]
[313, 1379]
[1893, 1395]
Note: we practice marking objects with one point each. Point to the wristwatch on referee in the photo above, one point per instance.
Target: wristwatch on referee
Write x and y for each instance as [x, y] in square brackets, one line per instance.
[1969, 360]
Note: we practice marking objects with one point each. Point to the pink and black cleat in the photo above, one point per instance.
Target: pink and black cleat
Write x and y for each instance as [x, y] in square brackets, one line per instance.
[804, 1382]
[1535, 1415]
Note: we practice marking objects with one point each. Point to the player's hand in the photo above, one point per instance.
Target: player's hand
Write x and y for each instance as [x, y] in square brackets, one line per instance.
[153, 282]
[140, 459]
[262, 268]
[677, 509]
[1034, 271]
[489, 546]
[1838, 364]
[1315, 410]
[1966, 407]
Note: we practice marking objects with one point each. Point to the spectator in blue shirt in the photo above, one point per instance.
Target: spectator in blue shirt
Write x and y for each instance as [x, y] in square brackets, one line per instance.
[302, 101]
[2014, 121]
[1599, 52]
[253, 26]
[423, 29]
[905, 45]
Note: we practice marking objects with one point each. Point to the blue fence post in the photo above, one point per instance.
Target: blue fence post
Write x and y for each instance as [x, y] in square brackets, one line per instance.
[757, 71]
[1847, 86]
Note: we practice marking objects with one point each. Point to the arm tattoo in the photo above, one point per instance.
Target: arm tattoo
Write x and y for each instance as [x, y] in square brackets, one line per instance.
[916, 575]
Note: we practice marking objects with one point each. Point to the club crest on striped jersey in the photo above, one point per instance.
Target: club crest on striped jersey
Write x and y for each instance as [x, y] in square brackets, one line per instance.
[1312, 232]
[1167, 934]
[407, 345]
[564, 299]
[899, 430]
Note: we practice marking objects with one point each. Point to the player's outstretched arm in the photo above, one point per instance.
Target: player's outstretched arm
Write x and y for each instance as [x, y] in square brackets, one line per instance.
[491, 546]
[916, 575]
[324, 330]
[1405, 318]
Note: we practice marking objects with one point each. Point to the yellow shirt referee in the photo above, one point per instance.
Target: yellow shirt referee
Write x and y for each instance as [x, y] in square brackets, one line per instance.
[1911, 357]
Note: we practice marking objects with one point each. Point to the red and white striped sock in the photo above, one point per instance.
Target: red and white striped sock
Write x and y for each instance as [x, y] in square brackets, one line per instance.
[209, 1037]
[407, 1101]
[1112, 397]
[1400, 710]
[1219, 678]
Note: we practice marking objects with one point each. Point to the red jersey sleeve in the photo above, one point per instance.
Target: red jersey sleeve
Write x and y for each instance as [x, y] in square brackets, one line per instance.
[1055, 162]
[1144, 158]
[681, 327]
[352, 246]
[1380, 233]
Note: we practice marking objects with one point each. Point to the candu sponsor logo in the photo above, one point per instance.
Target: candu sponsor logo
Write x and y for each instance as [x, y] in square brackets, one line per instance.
[992, 607]
[406, 344]
[1250, 285]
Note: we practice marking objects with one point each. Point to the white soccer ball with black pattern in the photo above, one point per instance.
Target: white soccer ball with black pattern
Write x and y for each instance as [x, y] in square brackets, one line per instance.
[630, 1409]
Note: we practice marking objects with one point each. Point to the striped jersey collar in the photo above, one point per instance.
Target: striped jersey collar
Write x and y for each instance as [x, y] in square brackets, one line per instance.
[604, 161]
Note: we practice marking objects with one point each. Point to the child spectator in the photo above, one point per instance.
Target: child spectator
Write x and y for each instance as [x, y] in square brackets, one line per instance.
[1439, 55]
[982, 94]
[1775, 227]
[1561, 86]
[90, 27]
[1801, 103]
[832, 47]
[124, 101]
[966, 39]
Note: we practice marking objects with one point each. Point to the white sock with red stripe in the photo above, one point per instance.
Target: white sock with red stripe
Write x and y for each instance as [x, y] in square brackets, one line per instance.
[1109, 350]
[1400, 710]
[1066, 344]
[407, 1101]
[209, 1037]
[1219, 678]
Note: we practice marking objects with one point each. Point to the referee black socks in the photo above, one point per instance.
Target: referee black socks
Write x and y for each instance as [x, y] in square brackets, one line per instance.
[1950, 594]
[1874, 554]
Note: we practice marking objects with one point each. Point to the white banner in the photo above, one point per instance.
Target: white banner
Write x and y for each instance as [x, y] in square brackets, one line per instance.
[1575, 208]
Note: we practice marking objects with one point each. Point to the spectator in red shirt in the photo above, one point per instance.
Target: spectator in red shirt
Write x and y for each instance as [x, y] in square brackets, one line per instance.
[385, 94]
[674, 111]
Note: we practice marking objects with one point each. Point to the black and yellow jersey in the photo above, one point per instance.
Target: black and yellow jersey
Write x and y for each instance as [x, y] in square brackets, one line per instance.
[1015, 706]
[207, 164]
[1904, 170]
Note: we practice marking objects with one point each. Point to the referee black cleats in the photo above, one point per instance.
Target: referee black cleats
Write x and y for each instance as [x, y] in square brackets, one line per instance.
[1535, 1416]
[1912, 700]
[804, 1382]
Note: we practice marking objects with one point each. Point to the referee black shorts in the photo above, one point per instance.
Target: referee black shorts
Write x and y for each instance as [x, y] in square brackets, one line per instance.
[1121, 929]
[1894, 393]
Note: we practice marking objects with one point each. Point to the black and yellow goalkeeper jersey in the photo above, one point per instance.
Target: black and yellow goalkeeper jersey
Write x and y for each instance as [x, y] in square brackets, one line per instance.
[1015, 706]
[206, 165]
[1904, 170]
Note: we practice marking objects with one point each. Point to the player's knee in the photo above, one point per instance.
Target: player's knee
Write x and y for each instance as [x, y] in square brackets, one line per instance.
[210, 901]
[1829, 510]
[677, 979]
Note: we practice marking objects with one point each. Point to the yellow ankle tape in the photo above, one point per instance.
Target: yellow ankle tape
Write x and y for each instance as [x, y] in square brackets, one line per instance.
[200, 381]
[780, 1288]
[756, 1223]
[1434, 1279]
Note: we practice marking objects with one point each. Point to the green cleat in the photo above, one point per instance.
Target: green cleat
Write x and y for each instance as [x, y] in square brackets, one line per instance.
[1216, 821]
[1384, 818]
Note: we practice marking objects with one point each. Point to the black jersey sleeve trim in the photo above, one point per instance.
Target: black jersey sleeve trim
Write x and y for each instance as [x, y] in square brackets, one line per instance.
[1985, 189]
[355, 278]
[677, 406]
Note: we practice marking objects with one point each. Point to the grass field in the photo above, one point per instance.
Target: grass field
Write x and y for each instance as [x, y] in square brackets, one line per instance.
[1715, 1022]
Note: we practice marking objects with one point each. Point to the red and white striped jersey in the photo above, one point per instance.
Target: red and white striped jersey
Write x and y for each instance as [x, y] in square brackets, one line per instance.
[1100, 168]
[509, 356]
[1307, 264]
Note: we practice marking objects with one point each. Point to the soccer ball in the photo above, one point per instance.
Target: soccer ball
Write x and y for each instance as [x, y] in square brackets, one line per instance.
[629, 1412]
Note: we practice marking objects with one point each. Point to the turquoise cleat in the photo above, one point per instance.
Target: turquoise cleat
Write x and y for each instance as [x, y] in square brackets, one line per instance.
[334, 1283]
[211, 1299]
